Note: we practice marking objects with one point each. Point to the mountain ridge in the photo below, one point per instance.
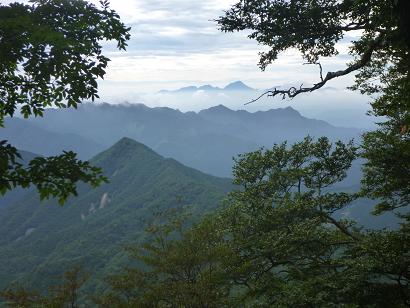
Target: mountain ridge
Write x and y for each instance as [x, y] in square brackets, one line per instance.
[205, 140]
[232, 86]
[31, 137]
[42, 239]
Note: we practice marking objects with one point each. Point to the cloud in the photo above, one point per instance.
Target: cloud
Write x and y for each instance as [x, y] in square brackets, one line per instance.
[176, 43]
[179, 40]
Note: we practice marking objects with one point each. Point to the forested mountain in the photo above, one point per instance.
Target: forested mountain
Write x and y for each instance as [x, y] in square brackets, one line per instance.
[206, 140]
[42, 240]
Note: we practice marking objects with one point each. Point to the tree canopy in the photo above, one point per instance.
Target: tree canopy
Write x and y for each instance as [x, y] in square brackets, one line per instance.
[51, 56]
[286, 242]
[282, 240]
[381, 66]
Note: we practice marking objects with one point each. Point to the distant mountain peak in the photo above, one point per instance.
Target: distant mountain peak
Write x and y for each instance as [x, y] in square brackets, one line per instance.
[233, 86]
[130, 143]
[237, 86]
[219, 108]
[208, 87]
[287, 110]
[126, 141]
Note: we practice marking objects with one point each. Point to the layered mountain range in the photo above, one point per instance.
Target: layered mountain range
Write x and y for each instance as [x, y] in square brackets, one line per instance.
[205, 140]
[233, 86]
[41, 240]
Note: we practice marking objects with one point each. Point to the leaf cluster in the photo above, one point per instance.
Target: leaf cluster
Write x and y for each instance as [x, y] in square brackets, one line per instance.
[51, 56]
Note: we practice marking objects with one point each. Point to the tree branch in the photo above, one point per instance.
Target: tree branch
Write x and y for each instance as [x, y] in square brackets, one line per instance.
[293, 91]
[342, 228]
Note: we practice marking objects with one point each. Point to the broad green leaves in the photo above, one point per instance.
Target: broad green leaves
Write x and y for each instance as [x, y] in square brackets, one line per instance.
[54, 176]
[51, 56]
[51, 53]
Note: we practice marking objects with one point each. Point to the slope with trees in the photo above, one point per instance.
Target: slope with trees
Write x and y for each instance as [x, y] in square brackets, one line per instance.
[41, 240]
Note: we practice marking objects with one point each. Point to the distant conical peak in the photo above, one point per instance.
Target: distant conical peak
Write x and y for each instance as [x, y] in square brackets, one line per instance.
[219, 107]
[237, 85]
[238, 82]
[289, 110]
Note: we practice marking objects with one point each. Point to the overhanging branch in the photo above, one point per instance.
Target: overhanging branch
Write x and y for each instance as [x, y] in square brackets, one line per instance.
[293, 91]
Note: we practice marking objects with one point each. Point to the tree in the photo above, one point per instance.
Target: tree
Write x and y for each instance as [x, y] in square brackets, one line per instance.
[287, 242]
[280, 241]
[381, 64]
[176, 267]
[291, 243]
[382, 68]
[51, 56]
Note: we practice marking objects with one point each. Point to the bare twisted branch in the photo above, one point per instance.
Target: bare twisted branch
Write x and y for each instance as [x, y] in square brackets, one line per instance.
[293, 91]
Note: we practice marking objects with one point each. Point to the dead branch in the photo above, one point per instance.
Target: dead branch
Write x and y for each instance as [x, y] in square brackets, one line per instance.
[293, 91]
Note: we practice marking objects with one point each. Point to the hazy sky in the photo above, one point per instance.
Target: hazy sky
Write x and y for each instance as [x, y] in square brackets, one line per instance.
[176, 43]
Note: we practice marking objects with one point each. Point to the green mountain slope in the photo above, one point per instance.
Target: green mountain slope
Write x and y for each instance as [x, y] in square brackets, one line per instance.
[41, 240]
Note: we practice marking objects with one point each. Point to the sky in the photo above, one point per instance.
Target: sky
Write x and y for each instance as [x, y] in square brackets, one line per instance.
[176, 43]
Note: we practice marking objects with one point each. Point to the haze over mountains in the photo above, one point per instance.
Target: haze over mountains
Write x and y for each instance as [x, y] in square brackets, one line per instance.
[205, 140]
[33, 138]
[233, 86]
[338, 107]
[41, 240]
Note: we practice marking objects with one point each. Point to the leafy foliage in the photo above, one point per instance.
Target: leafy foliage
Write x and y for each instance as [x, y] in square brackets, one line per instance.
[278, 242]
[51, 53]
[382, 69]
[314, 27]
[181, 269]
[382, 66]
[51, 56]
[54, 176]
[282, 240]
